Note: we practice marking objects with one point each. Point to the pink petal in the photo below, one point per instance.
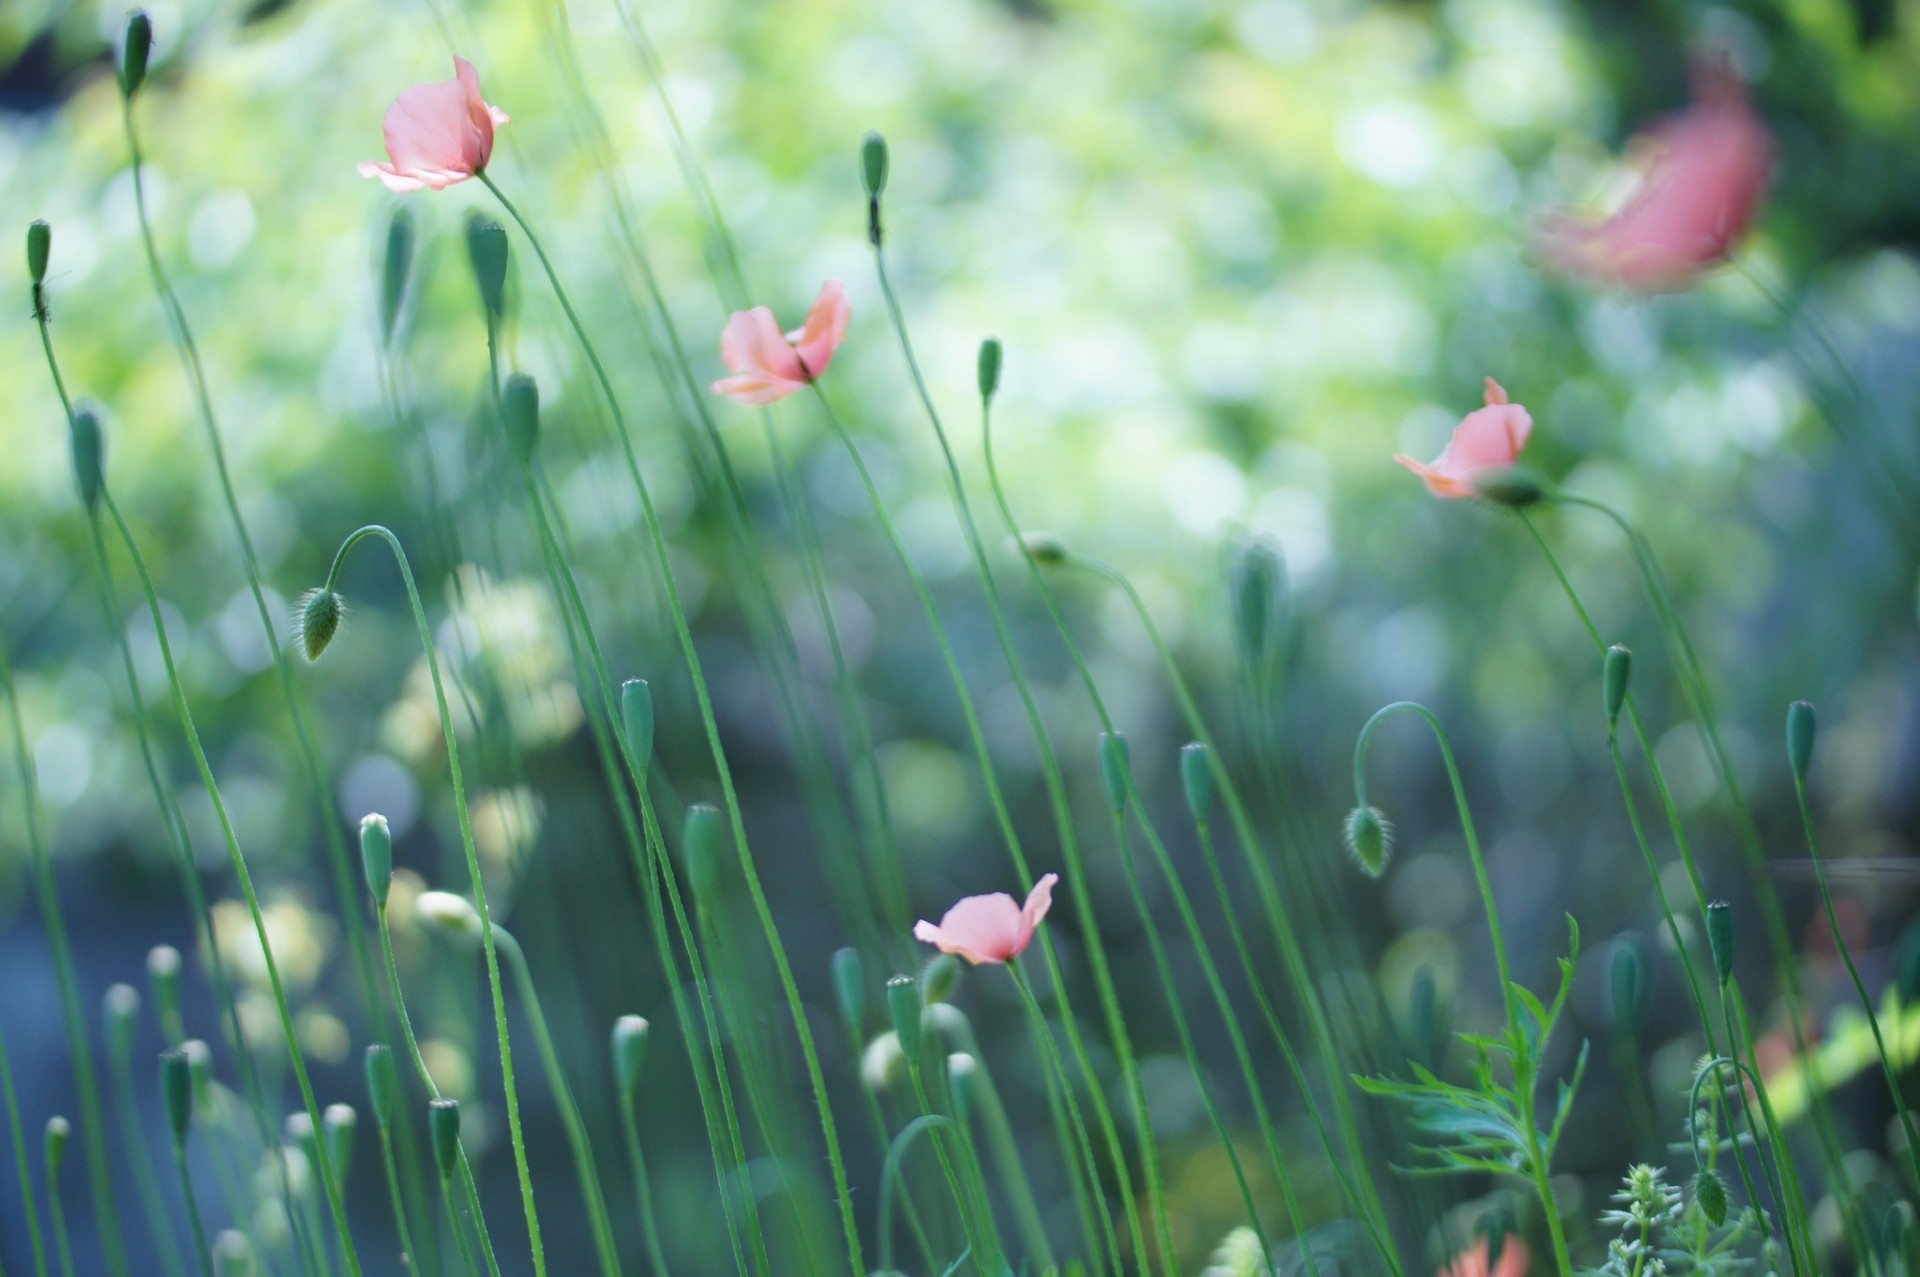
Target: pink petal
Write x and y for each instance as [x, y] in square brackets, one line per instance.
[755, 387]
[978, 928]
[1039, 901]
[427, 129]
[395, 181]
[1489, 439]
[479, 140]
[825, 329]
[752, 342]
[1439, 483]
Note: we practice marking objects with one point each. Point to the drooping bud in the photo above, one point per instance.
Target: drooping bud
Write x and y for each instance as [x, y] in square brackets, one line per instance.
[395, 269]
[134, 52]
[1369, 838]
[629, 1051]
[1516, 487]
[1720, 938]
[636, 717]
[383, 1084]
[452, 915]
[990, 356]
[232, 1255]
[321, 612]
[87, 446]
[700, 840]
[938, 979]
[1044, 548]
[39, 248]
[1616, 673]
[118, 1010]
[176, 1089]
[1196, 780]
[443, 1122]
[487, 252]
[1710, 1194]
[882, 1064]
[59, 1131]
[520, 414]
[376, 856]
[338, 1124]
[903, 1005]
[963, 1071]
[850, 987]
[873, 173]
[1257, 587]
[1627, 987]
[1800, 725]
[1116, 766]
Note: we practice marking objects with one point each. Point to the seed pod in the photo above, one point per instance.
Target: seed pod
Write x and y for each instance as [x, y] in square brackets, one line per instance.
[1710, 1194]
[376, 856]
[176, 1088]
[487, 254]
[700, 840]
[1800, 725]
[850, 987]
[134, 52]
[629, 1052]
[990, 355]
[59, 1131]
[636, 717]
[937, 981]
[383, 1084]
[39, 247]
[903, 1004]
[338, 1124]
[396, 267]
[1627, 983]
[88, 449]
[1613, 682]
[1196, 779]
[1720, 938]
[443, 1121]
[1116, 764]
[520, 414]
[1369, 839]
[321, 612]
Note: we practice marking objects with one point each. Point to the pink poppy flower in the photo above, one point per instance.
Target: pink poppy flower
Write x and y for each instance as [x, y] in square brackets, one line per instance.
[1488, 440]
[438, 134]
[990, 928]
[768, 365]
[1472, 1262]
[1702, 175]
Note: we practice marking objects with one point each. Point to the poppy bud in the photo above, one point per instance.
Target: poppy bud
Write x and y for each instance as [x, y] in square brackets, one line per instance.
[700, 840]
[59, 1131]
[1720, 938]
[383, 1085]
[232, 1255]
[338, 1124]
[1710, 1194]
[873, 172]
[176, 1088]
[443, 1122]
[1044, 548]
[118, 1010]
[629, 1051]
[1516, 487]
[376, 856]
[1257, 587]
[1369, 839]
[942, 973]
[1427, 1017]
[636, 716]
[321, 612]
[850, 987]
[135, 51]
[452, 915]
[395, 268]
[88, 450]
[1196, 779]
[1616, 672]
[1627, 983]
[1116, 762]
[39, 246]
[989, 368]
[1800, 725]
[903, 1004]
[487, 253]
[520, 413]
[163, 977]
[199, 1067]
[963, 1071]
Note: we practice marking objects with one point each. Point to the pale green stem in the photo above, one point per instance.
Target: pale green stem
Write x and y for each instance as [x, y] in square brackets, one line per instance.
[22, 1163]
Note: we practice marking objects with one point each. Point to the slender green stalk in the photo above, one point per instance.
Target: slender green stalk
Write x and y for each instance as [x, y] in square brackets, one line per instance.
[460, 1242]
[332, 1188]
[61, 1245]
[200, 1247]
[407, 1252]
[1712, 1067]
[22, 1164]
[890, 1175]
[703, 694]
[1526, 1082]
[976, 1217]
[1782, 1182]
[93, 1120]
[642, 1186]
[1011, 1168]
[166, 1243]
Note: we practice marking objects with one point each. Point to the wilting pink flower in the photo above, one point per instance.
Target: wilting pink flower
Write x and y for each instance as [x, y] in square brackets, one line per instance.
[438, 134]
[1702, 175]
[1472, 1262]
[990, 928]
[768, 365]
[1488, 440]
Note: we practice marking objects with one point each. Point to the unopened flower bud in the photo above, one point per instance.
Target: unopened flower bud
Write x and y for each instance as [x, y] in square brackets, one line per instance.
[873, 173]
[636, 718]
[134, 52]
[232, 1255]
[443, 1122]
[629, 1051]
[1427, 1017]
[59, 1131]
[1720, 938]
[321, 612]
[376, 856]
[118, 1009]
[937, 981]
[395, 268]
[1196, 780]
[1116, 766]
[1044, 548]
[1800, 725]
[1516, 487]
[87, 447]
[39, 247]
[297, 1130]
[520, 414]
[700, 840]
[1615, 674]
[1257, 588]
[903, 1004]
[883, 1063]
[1710, 1194]
[1369, 839]
[452, 915]
[850, 987]
[338, 1124]
[383, 1084]
[990, 356]
[176, 1089]
[487, 252]
[199, 1068]
[1627, 984]
[963, 1071]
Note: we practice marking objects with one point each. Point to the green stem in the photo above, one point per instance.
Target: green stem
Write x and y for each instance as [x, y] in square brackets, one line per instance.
[460, 1242]
[642, 1186]
[22, 1163]
[1781, 1180]
[153, 1204]
[193, 1209]
[62, 1247]
[983, 1240]
[407, 1252]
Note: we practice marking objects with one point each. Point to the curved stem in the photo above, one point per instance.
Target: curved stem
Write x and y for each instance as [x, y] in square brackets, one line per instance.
[890, 1175]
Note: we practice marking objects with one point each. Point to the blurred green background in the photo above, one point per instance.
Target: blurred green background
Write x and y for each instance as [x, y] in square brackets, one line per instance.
[1240, 254]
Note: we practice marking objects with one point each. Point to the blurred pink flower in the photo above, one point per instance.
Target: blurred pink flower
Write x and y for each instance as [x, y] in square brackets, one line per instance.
[1489, 439]
[990, 928]
[1473, 1261]
[1702, 175]
[768, 365]
[438, 134]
